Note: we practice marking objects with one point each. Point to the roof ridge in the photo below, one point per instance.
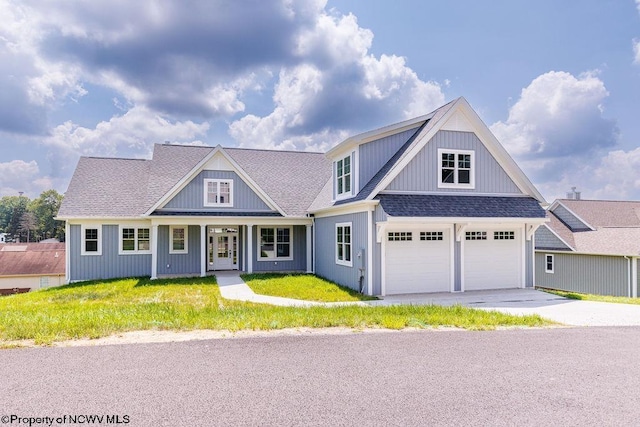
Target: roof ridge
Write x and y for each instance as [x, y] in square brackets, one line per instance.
[114, 158]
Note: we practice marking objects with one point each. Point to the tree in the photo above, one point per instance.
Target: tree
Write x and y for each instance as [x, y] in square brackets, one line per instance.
[45, 208]
[9, 207]
[27, 224]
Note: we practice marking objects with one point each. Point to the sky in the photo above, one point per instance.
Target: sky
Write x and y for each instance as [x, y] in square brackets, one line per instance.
[558, 83]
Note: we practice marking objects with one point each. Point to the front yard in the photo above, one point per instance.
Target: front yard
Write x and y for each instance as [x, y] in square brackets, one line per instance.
[592, 297]
[101, 308]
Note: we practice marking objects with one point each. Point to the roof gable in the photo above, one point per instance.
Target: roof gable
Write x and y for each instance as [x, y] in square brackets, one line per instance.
[456, 116]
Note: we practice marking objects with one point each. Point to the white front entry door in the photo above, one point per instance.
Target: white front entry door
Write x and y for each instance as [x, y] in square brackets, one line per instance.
[223, 249]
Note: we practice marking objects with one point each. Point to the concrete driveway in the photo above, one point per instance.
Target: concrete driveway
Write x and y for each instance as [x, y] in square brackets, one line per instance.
[530, 301]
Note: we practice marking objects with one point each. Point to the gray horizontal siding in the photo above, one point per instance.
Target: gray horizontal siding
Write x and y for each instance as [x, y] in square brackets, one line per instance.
[421, 174]
[299, 262]
[375, 154]
[326, 249]
[186, 264]
[569, 219]
[590, 274]
[192, 196]
[108, 265]
[545, 239]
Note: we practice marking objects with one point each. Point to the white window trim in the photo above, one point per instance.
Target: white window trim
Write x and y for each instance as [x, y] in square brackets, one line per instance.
[82, 231]
[335, 241]
[186, 239]
[553, 263]
[135, 236]
[352, 174]
[218, 181]
[259, 256]
[472, 172]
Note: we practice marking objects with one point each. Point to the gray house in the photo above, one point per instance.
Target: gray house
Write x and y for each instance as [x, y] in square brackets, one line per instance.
[430, 204]
[590, 246]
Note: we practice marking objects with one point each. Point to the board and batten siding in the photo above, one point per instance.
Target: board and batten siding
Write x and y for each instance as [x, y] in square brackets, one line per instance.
[528, 263]
[326, 250]
[299, 262]
[375, 154]
[421, 174]
[545, 239]
[108, 265]
[589, 274]
[187, 264]
[191, 197]
[568, 218]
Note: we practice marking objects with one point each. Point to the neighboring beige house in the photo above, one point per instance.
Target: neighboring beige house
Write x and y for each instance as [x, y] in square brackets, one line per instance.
[30, 266]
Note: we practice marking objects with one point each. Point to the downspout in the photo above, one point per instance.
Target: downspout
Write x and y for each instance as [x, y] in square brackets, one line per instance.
[628, 274]
[313, 246]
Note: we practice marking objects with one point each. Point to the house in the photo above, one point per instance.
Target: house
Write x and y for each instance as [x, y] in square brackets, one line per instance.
[3, 237]
[28, 266]
[590, 246]
[431, 204]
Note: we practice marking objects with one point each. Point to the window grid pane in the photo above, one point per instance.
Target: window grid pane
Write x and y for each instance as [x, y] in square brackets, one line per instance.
[400, 236]
[128, 239]
[476, 235]
[504, 235]
[178, 239]
[431, 235]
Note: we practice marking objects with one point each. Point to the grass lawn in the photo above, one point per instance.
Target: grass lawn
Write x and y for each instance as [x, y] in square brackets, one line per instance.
[591, 297]
[301, 286]
[101, 308]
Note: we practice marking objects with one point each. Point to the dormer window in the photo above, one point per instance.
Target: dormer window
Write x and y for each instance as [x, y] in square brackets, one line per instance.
[343, 176]
[456, 169]
[218, 192]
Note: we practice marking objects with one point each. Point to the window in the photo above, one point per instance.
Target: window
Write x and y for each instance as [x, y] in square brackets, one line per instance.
[275, 243]
[548, 263]
[504, 235]
[431, 235]
[178, 240]
[343, 176]
[218, 192]
[476, 235]
[44, 282]
[134, 240]
[343, 244]
[91, 241]
[456, 169]
[400, 236]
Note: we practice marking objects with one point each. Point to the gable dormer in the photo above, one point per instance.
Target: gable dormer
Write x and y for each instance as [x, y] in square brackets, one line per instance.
[344, 175]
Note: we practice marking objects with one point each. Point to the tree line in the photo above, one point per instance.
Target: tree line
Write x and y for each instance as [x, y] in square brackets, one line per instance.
[29, 220]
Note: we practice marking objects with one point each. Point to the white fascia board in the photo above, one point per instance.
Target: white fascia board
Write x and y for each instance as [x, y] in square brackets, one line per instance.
[466, 220]
[559, 203]
[199, 167]
[356, 140]
[556, 251]
[229, 220]
[560, 238]
[106, 220]
[359, 206]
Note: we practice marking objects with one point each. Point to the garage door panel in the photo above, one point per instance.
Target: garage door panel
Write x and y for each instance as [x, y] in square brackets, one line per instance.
[493, 263]
[417, 266]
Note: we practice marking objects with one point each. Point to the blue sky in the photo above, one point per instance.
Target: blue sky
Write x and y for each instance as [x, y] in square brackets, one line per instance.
[557, 82]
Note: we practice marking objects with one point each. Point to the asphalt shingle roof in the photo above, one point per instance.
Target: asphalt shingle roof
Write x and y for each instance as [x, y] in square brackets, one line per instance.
[32, 258]
[434, 205]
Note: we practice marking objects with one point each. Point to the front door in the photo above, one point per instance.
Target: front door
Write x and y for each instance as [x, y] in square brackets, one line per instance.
[223, 249]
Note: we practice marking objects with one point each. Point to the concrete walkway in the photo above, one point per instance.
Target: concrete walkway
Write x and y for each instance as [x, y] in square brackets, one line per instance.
[511, 301]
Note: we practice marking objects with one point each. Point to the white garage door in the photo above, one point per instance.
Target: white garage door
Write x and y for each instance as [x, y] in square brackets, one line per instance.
[492, 259]
[418, 261]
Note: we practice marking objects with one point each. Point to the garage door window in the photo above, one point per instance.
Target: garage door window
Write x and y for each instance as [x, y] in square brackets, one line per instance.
[476, 235]
[431, 235]
[400, 236]
[504, 235]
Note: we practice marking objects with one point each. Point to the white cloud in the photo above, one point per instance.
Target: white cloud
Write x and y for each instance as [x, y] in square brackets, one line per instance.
[132, 134]
[19, 176]
[636, 51]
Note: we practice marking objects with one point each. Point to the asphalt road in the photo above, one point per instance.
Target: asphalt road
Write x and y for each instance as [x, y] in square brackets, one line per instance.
[542, 377]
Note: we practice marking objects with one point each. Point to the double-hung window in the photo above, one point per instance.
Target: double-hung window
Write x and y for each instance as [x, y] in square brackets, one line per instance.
[178, 239]
[218, 192]
[548, 263]
[135, 240]
[91, 244]
[343, 244]
[456, 168]
[343, 176]
[275, 243]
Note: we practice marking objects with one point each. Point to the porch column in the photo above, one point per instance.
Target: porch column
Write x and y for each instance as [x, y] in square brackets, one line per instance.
[203, 250]
[154, 252]
[309, 266]
[249, 248]
[67, 251]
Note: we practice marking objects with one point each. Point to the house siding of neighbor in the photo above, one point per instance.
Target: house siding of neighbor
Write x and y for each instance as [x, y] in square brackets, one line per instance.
[431, 204]
[590, 246]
